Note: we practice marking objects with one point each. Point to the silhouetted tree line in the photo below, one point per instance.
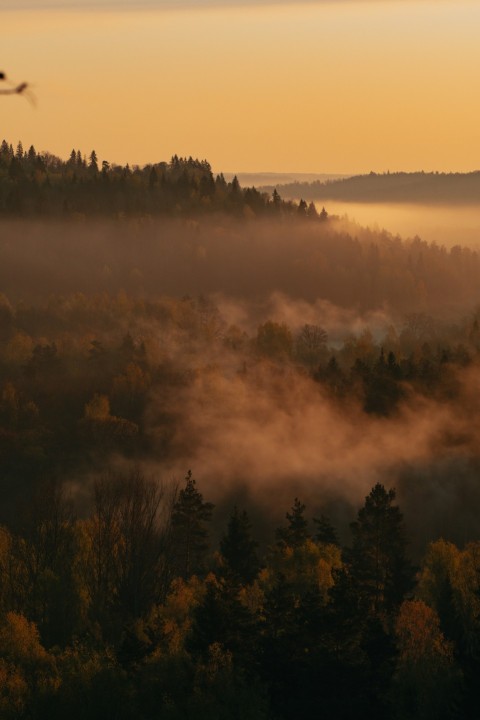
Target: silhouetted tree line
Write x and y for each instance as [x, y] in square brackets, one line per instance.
[40, 184]
[131, 612]
[414, 187]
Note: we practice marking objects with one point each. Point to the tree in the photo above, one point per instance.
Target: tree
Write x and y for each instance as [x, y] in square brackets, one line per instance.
[325, 532]
[379, 570]
[437, 586]
[28, 673]
[189, 539]
[302, 208]
[296, 532]
[276, 199]
[238, 549]
[152, 178]
[222, 618]
[427, 681]
[274, 340]
[93, 164]
[125, 543]
[311, 344]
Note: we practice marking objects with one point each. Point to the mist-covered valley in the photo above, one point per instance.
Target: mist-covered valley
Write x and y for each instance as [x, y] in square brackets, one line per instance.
[239, 452]
[444, 224]
[239, 411]
[275, 358]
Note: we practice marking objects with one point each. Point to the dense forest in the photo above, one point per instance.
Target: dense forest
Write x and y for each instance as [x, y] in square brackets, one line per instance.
[322, 383]
[126, 614]
[41, 184]
[391, 187]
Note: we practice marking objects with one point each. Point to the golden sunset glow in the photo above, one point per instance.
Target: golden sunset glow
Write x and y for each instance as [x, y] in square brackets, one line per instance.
[319, 87]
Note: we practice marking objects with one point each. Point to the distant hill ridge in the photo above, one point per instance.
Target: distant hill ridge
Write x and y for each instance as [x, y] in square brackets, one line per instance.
[401, 187]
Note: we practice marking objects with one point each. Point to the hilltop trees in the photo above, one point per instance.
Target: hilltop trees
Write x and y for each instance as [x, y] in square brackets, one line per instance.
[33, 184]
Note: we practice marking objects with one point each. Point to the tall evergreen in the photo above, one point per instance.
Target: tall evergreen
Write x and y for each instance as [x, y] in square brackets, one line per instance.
[325, 532]
[296, 531]
[190, 519]
[239, 549]
[378, 566]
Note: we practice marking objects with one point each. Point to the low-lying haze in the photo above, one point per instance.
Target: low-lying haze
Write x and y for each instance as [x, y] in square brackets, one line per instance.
[441, 224]
[245, 411]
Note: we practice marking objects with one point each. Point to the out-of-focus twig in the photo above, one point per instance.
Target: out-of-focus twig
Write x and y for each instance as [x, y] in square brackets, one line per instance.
[20, 89]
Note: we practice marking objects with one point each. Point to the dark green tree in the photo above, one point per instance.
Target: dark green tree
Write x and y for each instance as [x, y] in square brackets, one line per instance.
[93, 164]
[302, 208]
[239, 549]
[325, 532]
[296, 532]
[190, 519]
[379, 570]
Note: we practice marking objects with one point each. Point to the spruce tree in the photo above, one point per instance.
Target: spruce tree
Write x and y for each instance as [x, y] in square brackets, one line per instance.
[378, 566]
[296, 531]
[239, 549]
[190, 519]
[325, 531]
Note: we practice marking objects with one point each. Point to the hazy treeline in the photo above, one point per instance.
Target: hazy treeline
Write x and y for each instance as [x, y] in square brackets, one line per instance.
[395, 187]
[128, 612]
[332, 261]
[42, 185]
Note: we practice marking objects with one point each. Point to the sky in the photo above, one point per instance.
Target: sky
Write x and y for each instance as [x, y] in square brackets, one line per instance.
[344, 86]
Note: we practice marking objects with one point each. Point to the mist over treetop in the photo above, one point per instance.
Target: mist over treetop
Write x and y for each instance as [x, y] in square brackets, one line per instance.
[250, 260]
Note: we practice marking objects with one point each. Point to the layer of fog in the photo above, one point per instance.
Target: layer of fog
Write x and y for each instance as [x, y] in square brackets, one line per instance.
[338, 262]
[445, 225]
[256, 432]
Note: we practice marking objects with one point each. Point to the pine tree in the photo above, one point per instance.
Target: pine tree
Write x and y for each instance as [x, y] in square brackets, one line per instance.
[93, 164]
[238, 549]
[325, 531]
[296, 531]
[190, 519]
[302, 208]
[32, 155]
[378, 567]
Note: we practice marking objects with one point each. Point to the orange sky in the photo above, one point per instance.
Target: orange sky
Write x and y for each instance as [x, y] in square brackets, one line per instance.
[316, 87]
